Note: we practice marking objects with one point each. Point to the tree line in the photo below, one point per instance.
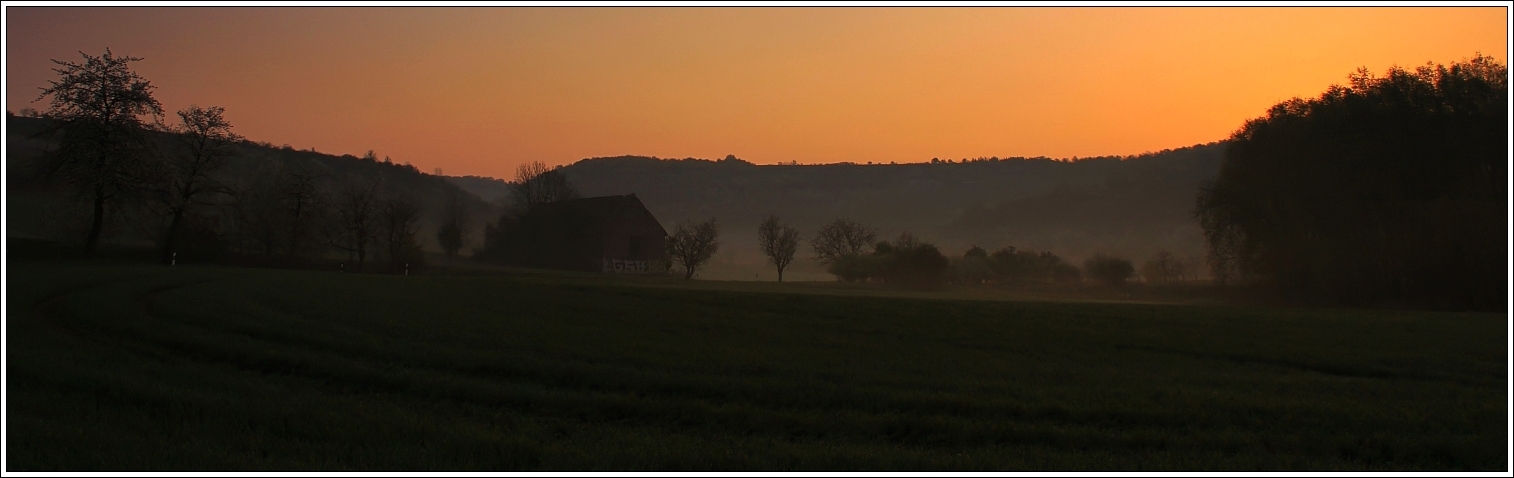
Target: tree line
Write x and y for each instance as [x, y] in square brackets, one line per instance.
[179, 184]
[852, 252]
[1389, 187]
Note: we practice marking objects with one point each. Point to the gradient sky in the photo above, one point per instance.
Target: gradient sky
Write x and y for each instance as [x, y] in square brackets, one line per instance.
[480, 90]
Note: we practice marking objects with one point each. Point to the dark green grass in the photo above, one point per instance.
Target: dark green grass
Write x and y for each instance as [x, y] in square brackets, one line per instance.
[140, 367]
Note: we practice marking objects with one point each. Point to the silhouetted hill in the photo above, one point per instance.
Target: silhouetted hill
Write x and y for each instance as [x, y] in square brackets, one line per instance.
[490, 189]
[37, 208]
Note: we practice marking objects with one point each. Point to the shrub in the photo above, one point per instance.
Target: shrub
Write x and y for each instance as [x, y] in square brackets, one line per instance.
[1064, 272]
[916, 263]
[971, 269]
[1108, 269]
[859, 267]
[1024, 266]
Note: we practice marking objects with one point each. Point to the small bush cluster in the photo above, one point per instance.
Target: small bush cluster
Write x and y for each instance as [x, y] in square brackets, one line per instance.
[1108, 270]
[905, 261]
[977, 266]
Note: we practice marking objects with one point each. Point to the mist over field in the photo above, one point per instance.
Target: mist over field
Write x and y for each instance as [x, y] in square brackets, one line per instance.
[1317, 282]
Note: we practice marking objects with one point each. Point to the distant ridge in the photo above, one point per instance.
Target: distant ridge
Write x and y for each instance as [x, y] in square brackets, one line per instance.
[1131, 205]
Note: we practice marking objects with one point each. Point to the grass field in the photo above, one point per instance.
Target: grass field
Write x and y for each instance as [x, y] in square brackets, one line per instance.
[128, 366]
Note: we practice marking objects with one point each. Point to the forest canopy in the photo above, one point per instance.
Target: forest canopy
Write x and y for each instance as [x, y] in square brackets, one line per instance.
[1390, 187]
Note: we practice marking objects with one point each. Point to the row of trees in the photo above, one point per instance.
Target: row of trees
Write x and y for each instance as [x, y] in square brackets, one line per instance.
[851, 252]
[296, 215]
[977, 266]
[838, 244]
[114, 150]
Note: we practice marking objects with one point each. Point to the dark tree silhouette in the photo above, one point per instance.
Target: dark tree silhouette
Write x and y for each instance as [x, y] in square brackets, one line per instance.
[398, 223]
[1108, 269]
[1010, 264]
[863, 267]
[535, 184]
[255, 213]
[1163, 268]
[104, 150]
[1387, 187]
[906, 261]
[778, 241]
[204, 140]
[976, 251]
[841, 237]
[452, 232]
[693, 244]
[915, 263]
[357, 213]
[972, 267]
[304, 205]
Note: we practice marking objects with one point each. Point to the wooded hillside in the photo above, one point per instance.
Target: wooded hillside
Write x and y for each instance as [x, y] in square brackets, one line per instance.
[40, 207]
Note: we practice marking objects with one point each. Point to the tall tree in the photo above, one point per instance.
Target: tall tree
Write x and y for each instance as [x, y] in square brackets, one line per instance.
[303, 208]
[456, 216]
[257, 212]
[841, 237]
[400, 220]
[536, 184]
[778, 241]
[204, 140]
[693, 244]
[1163, 268]
[357, 211]
[104, 149]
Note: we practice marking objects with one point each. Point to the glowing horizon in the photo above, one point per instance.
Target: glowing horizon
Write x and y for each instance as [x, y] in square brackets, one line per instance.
[477, 91]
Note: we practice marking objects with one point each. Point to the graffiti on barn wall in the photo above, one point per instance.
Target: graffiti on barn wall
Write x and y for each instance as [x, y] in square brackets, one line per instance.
[620, 266]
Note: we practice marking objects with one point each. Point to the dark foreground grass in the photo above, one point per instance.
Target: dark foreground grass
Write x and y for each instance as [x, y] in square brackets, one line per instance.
[139, 367]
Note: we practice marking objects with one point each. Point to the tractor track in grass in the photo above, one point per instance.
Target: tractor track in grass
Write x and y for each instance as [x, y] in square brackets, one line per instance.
[1338, 371]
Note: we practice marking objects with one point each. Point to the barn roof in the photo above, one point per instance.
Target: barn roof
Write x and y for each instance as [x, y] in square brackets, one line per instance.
[596, 213]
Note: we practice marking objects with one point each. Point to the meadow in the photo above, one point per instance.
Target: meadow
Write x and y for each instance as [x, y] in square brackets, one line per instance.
[121, 365]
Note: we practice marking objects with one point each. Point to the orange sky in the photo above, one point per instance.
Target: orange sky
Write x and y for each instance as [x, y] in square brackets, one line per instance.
[480, 90]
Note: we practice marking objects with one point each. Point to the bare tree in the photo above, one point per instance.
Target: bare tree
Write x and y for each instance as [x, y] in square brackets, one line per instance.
[536, 184]
[204, 141]
[456, 216]
[357, 211]
[778, 241]
[104, 150]
[840, 238]
[303, 204]
[256, 212]
[400, 220]
[693, 244]
[1163, 268]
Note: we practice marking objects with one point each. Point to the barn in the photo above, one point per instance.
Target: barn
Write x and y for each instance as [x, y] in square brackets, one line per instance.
[613, 234]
